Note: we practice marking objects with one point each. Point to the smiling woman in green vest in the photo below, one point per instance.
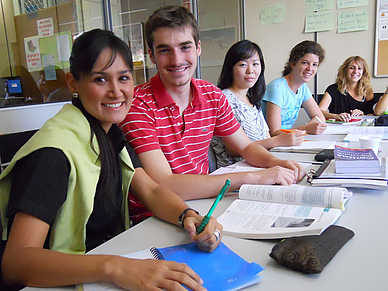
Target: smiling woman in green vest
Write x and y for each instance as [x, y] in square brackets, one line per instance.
[66, 190]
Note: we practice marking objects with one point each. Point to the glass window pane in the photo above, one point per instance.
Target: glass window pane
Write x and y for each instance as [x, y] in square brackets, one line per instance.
[36, 37]
[129, 17]
[219, 22]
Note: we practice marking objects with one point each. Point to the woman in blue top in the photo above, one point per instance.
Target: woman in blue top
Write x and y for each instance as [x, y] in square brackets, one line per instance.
[66, 190]
[285, 96]
[242, 81]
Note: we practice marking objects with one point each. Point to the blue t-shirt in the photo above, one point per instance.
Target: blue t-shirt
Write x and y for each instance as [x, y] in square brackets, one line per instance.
[290, 103]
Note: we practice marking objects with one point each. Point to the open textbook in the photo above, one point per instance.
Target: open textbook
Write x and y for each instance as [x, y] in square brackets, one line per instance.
[270, 212]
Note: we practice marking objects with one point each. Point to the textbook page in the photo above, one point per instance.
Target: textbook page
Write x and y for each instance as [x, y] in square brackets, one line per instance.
[263, 220]
[296, 194]
[335, 129]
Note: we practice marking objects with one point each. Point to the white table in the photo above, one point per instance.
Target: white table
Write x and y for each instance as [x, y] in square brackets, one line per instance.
[359, 265]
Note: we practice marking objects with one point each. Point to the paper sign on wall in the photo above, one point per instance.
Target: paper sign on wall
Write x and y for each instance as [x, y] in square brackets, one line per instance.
[273, 14]
[45, 27]
[353, 21]
[351, 3]
[319, 21]
[31, 47]
[318, 5]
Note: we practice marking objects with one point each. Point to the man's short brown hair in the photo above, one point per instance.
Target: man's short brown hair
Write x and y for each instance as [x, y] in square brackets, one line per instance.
[170, 16]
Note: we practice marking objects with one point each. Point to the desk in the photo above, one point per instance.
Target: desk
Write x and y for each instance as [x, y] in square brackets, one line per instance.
[359, 265]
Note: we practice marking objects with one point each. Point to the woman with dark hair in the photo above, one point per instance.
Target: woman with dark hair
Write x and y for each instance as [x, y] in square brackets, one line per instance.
[285, 96]
[351, 94]
[242, 81]
[66, 190]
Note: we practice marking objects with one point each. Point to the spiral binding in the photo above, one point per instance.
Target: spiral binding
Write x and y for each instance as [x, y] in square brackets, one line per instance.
[156, 254]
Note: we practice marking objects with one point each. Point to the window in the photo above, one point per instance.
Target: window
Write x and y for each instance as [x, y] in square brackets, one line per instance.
[36, 37]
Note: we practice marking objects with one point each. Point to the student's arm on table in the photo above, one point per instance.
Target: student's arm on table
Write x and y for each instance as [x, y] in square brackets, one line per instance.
[25, 262]
[273, 117]
[382, 104]
[314, 126]
[193, 186]
[324, 105]
[368, 98]
[256, 155]
[167, 205]
[284, 139]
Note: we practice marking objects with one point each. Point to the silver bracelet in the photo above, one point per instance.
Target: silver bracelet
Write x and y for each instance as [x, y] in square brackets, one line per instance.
[182, 216]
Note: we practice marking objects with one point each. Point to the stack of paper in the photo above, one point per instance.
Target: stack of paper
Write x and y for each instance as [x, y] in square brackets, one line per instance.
[308, 146]
[329, 178]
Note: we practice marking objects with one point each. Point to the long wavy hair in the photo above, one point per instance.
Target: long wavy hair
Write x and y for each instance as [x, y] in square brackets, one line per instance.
[243, 50]
[301, 49]
[86, 50]
[342, 76]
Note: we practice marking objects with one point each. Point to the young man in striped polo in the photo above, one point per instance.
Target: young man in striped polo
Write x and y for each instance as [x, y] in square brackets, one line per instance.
[174, 117]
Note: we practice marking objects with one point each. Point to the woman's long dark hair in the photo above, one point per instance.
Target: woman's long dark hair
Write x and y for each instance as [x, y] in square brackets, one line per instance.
[243, 50]
[86, 50]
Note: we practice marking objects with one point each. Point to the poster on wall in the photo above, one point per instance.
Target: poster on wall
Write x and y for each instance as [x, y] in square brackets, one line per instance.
[32, 49]
[45, 27]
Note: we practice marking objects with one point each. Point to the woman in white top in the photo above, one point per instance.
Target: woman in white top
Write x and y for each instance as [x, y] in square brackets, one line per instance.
[242, 81]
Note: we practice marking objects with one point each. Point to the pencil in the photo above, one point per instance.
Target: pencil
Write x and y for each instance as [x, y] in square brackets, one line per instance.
[290, 131]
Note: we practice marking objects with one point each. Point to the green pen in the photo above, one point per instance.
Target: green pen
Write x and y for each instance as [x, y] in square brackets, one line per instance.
[219, 197]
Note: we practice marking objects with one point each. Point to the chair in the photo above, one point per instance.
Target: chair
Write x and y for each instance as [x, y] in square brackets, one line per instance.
[10, 144]
[212, 160]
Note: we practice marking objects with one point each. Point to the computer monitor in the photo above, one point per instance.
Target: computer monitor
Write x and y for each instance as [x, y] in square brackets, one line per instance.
[12, 86]
[15, 86]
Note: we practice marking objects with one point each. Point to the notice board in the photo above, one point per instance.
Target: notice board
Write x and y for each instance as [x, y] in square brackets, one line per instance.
[381, 39]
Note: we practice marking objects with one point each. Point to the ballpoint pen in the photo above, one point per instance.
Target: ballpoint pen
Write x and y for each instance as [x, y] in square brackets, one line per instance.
[317, 118]
[209, 214]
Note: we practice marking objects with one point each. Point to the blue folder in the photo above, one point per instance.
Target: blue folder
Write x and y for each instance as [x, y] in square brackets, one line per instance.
[220, 270]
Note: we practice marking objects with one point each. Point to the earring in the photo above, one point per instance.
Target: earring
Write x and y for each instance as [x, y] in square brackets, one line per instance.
[75, 95]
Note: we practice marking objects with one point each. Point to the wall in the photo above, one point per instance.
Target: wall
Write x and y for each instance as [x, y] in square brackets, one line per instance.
[276, 41]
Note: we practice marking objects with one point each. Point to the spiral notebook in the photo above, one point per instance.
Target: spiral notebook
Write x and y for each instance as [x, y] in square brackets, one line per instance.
[222, 269]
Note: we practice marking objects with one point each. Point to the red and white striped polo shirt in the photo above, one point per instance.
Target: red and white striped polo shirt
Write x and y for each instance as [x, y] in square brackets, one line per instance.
[154, 122]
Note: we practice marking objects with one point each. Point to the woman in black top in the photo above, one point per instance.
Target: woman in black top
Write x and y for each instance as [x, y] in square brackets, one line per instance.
[351, 94]
[100, 79]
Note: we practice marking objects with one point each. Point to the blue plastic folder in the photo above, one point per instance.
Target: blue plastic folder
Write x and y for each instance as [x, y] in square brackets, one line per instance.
[220, 270]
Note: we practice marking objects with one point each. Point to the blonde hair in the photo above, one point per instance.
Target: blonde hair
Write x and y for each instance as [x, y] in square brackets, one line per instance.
[342, 76]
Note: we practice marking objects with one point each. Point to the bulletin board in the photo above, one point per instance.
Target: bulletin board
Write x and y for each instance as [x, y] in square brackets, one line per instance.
[381, 39]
